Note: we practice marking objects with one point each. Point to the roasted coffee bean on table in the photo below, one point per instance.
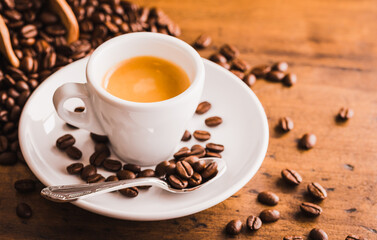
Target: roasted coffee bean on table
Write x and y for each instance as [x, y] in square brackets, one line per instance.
[307, 141]
[202, 135]
[218, 58]
[73, 153]
[249, 79]
[275, 76]
[318, 234]
[213, 121]
[280, 66]
[269, 215]
[345, 114]
[354, 237]
[317, 191]
[203, 107]
[25, 185]
[3, 144]
[292, 237]
[268, 198]
[203, 41]
[75, 168]
[238, 73]
[241, 65]
[253, 223]
[234, 227]
[310, 209]
[261, 71]
[229, 51]
[23, 210]
[290, 79]
[291, 176]
[286, 124]
[8, 158]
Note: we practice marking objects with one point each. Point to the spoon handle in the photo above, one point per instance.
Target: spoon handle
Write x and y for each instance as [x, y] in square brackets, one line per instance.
[69, 193]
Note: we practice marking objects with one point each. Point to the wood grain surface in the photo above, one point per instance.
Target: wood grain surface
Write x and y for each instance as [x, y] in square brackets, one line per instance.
[332, 47]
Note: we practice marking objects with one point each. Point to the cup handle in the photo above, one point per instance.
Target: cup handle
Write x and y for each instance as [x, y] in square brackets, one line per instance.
[87, 119]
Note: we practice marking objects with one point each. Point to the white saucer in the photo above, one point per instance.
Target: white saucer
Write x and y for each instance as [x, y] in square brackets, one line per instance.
[244, 133]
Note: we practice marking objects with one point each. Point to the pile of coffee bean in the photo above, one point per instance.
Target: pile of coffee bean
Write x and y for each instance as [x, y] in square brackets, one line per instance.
[185, 170]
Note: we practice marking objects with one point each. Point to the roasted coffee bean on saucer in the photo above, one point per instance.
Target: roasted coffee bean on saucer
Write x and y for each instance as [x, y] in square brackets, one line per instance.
[186, 136]
[202, 135]
[65, 141]
[203, 107]
[213, 121]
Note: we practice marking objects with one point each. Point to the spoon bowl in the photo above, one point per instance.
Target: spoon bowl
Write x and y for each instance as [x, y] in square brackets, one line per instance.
[69, 193]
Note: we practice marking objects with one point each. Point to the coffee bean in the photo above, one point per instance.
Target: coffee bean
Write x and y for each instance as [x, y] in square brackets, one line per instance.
[171, 168]
[177, 182]
[125, 174]
[195, 180]
[130, 192]
[290, 79]
[8, 158]
[291, 176]
[234, 227]
[29, 31]
[184, 169]
[75, 168]
[199, 166]
[26, 64]
[310, 209]
[186, 136]
[65, 141]
[213, 154]
[269, 215]
[95, 178]
[183, 152]
[9, 4]
[213, 147]
[99, 138]
[280, 66]
[3, 144]
[261, 71]
[202, 135]
[87, 171]
[198, 151]
[249, 79]
[307, 141]
[268, 198]
[286, 124]
[73, 152]
[345, 114]
[241, 65]
[101, 147]
[218, 58]
[203, 41]
[238, 73]
[213, 121]
[56, 30]
[290, 237]
[15, 113]
[275, 76]
[49, 60]
[112, 178]
[191, 159]
[210, 171]
[354, 237]
[146, 173]
[23, 210]
[229, 51]
[203, 107]
[253, 223]
[162, 168]
[112, 165]
[25, 185]
[132, 167]
[317, 191]
[97, 158]
[48, 18]
[318, 234]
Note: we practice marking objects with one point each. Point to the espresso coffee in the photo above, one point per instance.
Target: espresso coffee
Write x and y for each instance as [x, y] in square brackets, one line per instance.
[146, 79]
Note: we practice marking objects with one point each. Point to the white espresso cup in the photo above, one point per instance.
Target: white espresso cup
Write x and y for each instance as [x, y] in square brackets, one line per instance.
[139, 133]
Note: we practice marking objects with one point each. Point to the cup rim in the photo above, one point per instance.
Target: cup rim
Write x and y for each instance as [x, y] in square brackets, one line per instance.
[199, 66]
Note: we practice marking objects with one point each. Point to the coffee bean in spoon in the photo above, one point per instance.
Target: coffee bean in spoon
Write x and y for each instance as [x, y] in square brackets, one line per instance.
[184, 170]
[195, 180]
[177, 182]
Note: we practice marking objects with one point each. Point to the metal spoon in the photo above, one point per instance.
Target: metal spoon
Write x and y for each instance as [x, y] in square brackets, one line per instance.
[69, 193]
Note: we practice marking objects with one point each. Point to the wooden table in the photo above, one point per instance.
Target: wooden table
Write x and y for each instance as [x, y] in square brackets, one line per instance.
[331, 46]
